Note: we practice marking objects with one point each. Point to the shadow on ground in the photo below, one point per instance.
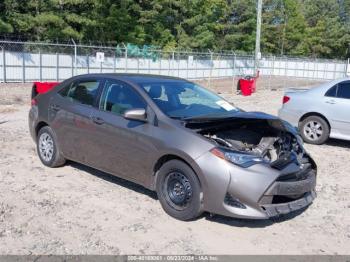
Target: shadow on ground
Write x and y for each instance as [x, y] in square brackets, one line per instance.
[338, 143]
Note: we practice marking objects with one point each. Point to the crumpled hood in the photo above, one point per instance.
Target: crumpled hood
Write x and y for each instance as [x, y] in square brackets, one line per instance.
[272, 120]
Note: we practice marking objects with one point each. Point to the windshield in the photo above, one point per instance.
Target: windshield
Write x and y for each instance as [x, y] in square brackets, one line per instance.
[181, 99]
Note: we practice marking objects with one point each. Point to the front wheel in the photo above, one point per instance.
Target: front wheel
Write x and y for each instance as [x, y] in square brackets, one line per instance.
[179, 190]
[314, 130]
[48, 149]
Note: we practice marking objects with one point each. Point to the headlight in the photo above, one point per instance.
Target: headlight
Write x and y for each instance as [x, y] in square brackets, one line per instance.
[237, 158]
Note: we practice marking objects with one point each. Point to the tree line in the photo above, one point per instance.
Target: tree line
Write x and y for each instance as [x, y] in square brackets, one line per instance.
[313, 28]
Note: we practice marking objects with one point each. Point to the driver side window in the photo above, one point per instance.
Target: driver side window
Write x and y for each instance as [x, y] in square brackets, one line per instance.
[118, 97]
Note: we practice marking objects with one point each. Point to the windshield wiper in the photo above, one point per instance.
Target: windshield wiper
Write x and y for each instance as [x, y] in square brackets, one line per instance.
[211, 116]
[177, 117]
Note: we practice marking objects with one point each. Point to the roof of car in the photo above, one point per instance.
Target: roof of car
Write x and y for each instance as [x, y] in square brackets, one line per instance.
[136, 78]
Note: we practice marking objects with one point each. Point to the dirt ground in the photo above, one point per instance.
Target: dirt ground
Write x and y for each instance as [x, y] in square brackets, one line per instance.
[78, 210]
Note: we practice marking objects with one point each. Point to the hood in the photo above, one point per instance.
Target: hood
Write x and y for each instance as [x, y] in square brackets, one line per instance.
[241, 116]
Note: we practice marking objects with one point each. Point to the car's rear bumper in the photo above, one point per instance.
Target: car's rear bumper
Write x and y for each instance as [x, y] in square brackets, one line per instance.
[290, 116]
[257, 192]
[32, 121]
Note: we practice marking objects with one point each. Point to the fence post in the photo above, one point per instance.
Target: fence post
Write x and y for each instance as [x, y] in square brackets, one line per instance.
[88, 63]
[285, 71]
[72, 66]
[75, 58]
[195, 67]
[169, 65]
[138, 64]
[178, 64]
[23, 68]
[57, 67]
[173, 62]
[114, 63]
[4, 64]
[234, 73]
[187, 66]
[270, 72]
[211, 67]
[126, 58]
[347, 68]
[40, 66]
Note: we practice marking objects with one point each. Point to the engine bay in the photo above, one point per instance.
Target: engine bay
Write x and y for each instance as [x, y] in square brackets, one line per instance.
[261, 137]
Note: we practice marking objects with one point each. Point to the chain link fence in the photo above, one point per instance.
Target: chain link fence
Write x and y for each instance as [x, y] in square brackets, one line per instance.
[31, 61]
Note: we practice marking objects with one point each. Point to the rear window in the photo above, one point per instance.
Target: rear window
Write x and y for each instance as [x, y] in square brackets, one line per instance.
[344, 90]
[332, 92]
[84, 92]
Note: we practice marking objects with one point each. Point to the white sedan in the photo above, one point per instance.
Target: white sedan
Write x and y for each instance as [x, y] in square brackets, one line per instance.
[319, 112]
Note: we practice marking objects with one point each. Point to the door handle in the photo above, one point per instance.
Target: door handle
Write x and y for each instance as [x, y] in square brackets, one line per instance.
[55, 107]
[332, 102]
[97, 120]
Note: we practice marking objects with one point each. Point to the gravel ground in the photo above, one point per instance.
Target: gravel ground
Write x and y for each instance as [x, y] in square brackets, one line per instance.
[78, 210]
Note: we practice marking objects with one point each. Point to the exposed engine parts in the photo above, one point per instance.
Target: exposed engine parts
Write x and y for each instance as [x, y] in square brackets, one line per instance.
[259, 139]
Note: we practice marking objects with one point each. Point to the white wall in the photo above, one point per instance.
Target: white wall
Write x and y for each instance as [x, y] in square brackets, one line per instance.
[30, 67]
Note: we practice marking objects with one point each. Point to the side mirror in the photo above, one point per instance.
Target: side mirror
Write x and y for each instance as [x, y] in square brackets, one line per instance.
[138, 114]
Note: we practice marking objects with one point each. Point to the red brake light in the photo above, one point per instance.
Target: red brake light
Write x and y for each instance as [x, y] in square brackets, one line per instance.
[34, 102]
[285, 99]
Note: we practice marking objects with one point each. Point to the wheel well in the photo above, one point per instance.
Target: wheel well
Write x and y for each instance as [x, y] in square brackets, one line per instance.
[315, 114]
[39, 126]
[165, 159]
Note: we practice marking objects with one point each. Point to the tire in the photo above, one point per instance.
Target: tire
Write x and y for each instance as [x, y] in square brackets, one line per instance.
[179, 190]
[48, 149]
[314, 130]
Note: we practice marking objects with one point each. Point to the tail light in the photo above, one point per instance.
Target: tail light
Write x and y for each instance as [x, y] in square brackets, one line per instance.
[285, 99]
[34, 102]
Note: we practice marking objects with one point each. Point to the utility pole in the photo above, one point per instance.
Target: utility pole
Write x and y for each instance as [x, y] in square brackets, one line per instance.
[258, 34]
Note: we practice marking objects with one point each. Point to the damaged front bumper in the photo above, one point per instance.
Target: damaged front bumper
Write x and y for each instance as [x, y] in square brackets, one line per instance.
[284, 197]
[257, 192]
[275, 210]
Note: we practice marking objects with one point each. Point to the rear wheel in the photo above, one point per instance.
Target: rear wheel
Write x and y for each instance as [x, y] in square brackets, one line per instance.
[314, 130]
[179, 190]
[48, 149]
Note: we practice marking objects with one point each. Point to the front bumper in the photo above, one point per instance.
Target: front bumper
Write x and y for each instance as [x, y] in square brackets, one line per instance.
[257, 192]
[275, 210]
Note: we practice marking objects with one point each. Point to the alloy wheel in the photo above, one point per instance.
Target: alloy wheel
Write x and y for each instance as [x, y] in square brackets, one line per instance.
[46, 147]
[313, 130]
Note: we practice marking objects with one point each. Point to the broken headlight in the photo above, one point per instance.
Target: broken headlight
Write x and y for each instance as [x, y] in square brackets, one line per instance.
[237, 158]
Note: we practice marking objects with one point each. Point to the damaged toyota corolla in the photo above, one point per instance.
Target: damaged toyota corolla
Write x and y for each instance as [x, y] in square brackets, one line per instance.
[195, 149]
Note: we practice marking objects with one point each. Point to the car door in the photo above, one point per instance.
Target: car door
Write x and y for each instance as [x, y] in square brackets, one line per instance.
[70, 114]
[337, 105]
[122, 147]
